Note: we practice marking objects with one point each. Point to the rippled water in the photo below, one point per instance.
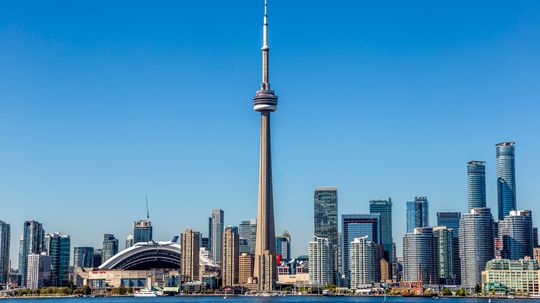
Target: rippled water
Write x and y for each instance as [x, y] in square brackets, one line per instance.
[292, 299]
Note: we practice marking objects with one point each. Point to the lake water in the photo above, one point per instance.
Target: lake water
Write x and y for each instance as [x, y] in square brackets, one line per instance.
[292, 299]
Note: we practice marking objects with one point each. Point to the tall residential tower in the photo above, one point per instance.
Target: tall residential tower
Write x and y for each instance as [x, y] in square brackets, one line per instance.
[476, 184]
[506, 179]
[265, 102]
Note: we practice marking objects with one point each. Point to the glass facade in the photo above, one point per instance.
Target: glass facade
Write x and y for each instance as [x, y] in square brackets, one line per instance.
[59, 249]
[444, 251]
[142, 231]
[83, 257]
[450, 219]
[248, 232]
[357, 226]
[516, 234]
[110, 247]
[384, 209]
[506, 179]
[417, 213]
[325, 219]
[476, 184]
[5, 238]
[31, 243]
[217, 225]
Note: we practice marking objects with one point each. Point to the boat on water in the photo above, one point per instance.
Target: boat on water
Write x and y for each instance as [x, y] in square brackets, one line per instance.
[145, 293]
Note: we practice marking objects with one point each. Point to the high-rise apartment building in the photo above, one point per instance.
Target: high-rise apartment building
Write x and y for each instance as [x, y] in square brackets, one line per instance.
[248, 231]
[450, 219]
[231, 254]
[419, 258]
[516, 235]
[142, 231]
[444, 253]
[245, 268]
[38, 273]
[535, 237]
[110, 247]
[384, 209]
[356, 226]
[417, 213]
[476, 184]
[31, 242]
[58, 247]
[83, 256]
[506, 178]
[325, 219]
[189, 270]
[320, 265]
[217, 221]
[476, 245]
[5, 241]
[283, 246]
[363, 260]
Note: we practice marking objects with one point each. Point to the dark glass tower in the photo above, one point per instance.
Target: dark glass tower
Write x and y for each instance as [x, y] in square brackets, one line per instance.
[417, 213]
[506, 179]
[58, 248]
[384, 209]
[5, 239]
[356, 226]
[476, 184]
[325, 219]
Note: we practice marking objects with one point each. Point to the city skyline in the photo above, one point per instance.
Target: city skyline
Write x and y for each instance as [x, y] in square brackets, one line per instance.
[106, 170]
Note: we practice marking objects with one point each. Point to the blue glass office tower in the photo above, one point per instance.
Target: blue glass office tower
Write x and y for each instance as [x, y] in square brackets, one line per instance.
[83, 257]
[506, 179]
[384, 209]
[5, 238]
[283, 246]
[142, 231]
[476, 184]
[58, 247]
[417, 213]
[450, 219]
[356, 226]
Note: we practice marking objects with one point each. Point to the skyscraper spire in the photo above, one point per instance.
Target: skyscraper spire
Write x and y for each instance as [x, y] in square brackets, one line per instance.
[265, 85]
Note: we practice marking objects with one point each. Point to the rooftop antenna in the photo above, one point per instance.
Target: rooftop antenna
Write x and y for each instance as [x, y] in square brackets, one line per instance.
[147, 212]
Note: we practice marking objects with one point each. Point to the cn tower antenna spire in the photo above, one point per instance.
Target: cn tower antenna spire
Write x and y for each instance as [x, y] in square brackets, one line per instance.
[265, 52]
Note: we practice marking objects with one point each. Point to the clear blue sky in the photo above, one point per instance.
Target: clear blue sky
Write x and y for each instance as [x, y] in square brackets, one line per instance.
[104, 102]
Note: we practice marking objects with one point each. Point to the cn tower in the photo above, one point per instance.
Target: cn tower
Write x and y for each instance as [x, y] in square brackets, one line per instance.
[265, 102]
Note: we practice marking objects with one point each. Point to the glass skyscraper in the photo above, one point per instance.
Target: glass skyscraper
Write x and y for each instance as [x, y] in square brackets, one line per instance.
[450, 219]
[476, 184]
[325, 219]
[384, 209]
[32, 242]
[417, 213]
[444, 251]
[516, 234]
[110, 247]
[248, 231]
[217, 225]
[476, 245]
[142, 231]
[5, 239]
[357, 226]
[83, 257]
[506, 179]
[58, 247]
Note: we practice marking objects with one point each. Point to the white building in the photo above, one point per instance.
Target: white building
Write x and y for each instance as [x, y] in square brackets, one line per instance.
[320, 265]
[38, 272]
[363, 255]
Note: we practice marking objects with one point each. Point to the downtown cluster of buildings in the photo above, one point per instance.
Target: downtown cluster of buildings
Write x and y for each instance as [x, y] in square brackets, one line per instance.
[460, 250]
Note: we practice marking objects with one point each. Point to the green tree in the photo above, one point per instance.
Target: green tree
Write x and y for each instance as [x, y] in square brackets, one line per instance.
[446, 292]
[478, 289]
[461, 292]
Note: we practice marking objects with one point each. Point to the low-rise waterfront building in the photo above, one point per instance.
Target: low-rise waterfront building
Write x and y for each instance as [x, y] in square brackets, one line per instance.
[503, 276]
